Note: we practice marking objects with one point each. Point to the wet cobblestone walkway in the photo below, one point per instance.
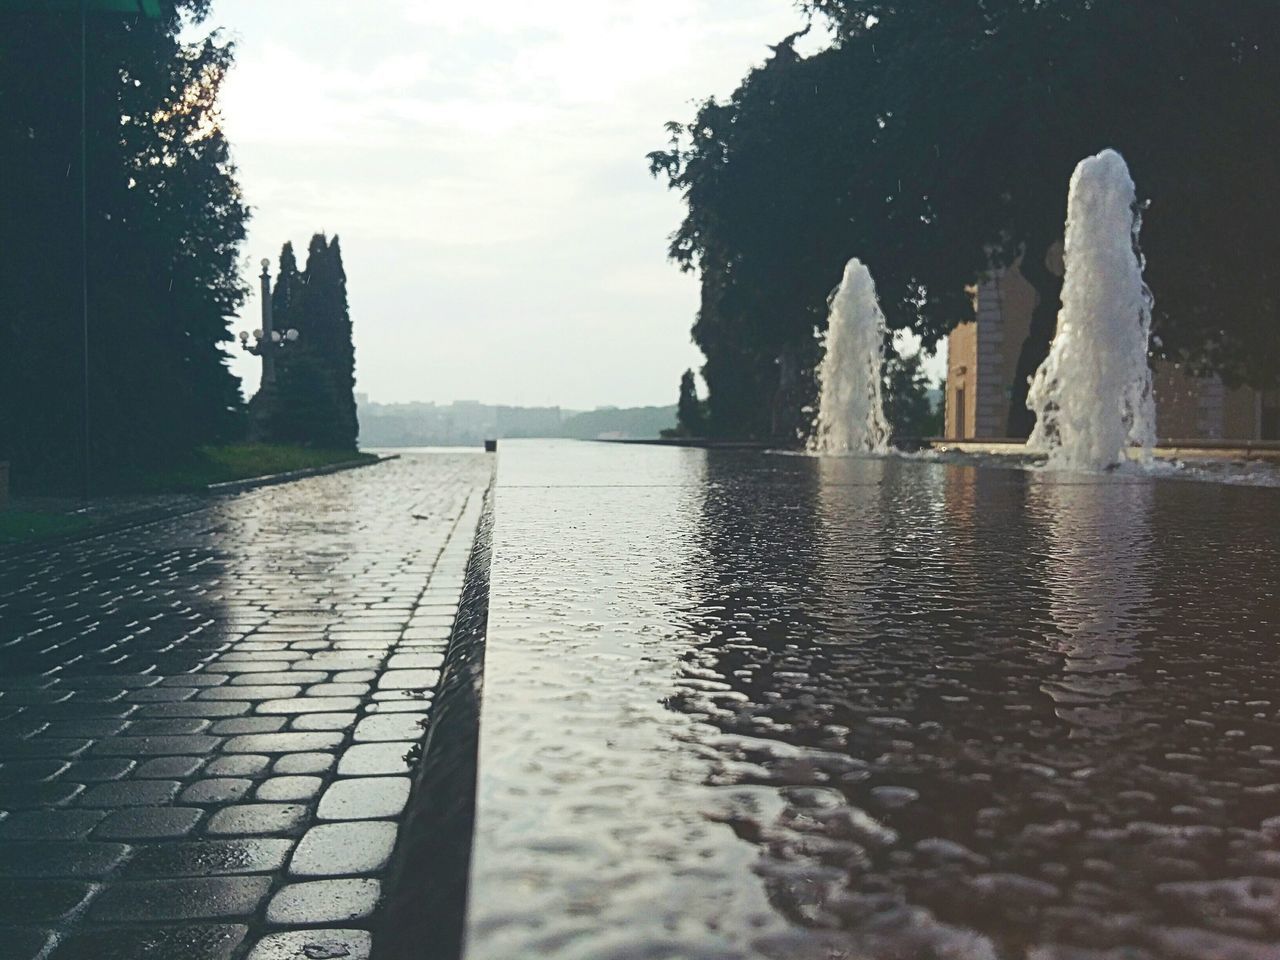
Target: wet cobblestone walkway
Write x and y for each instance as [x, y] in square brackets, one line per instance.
[207, 723]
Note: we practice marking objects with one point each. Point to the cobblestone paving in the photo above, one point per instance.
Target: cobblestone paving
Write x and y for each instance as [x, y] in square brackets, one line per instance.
[208, 723]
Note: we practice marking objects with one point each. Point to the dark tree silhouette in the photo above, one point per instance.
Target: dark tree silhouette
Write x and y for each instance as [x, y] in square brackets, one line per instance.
[165, 221]
[935, 140]
[691, 420]
[316, 375]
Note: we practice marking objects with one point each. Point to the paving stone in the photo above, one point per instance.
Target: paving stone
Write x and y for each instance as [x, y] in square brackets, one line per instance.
[148, 823]
[194, 898]
[302, 763]
[39, 901]
[422, 697]
[396, 706]
[98, 696]
[93, 771]
[59, 858]
[257, 819]
[344, 849]
[31, 771]
[80, 711]
[131, 793]
[283, 742]
[169, 768]
[355, 676]
[197, 708]
[94, 728]
[250, 693]
[151, 746]
[310, 704]
[171, 726]
[209, 858]
[338, 690]
[217, 790]
[284, 677]
[251, 668]
[239, 765]
[323, 721]
[185, 942]
[289, 788]
[403, 661]
[204, 679]
[40, 747]
[242, 725]
[314, 945]
[323, 901]
[110, 681]
[427, 633]
[50, 824]
[349, 660]
[29, 796]
[374, 759]
[364, 798]
[160, 695]
[400, 726]
[34, 696]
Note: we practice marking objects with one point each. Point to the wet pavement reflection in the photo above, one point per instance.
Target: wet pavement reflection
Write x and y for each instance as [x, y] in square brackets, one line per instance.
[744, 705]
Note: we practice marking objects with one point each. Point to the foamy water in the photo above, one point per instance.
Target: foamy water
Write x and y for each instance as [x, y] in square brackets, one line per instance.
[850, 408]
[1092, 396]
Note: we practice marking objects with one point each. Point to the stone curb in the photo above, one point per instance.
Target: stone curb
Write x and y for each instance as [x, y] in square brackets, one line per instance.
[423, 914]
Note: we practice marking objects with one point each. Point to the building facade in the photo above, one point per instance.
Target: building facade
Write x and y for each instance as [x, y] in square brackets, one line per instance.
[982, 359]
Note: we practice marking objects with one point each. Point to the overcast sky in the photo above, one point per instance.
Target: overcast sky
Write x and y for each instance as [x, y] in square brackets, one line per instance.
[485, 167]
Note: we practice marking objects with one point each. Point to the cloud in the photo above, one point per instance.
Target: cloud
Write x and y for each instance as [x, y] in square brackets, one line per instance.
[498, 153]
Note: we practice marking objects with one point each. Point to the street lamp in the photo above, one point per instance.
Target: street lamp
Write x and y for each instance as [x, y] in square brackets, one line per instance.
[266, 341]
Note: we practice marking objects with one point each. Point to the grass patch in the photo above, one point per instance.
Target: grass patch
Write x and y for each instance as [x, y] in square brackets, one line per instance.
[22, 526]
[243, 461]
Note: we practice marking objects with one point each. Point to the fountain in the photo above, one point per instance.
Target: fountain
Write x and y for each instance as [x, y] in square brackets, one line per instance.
[850, 409]
[1092, 396]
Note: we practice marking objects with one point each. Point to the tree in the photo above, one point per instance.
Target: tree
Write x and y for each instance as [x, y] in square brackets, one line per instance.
[935, 141]
[165, 221]
[316, 375]
[691, 418]
[286, 297]
[907, 405]
[327, 328]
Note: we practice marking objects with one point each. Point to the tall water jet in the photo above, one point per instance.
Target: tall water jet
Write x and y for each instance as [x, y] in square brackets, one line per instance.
[850, 407]
[1092, 395]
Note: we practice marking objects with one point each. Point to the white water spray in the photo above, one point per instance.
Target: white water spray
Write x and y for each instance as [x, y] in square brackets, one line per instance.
[1092, 395]
[850, 408]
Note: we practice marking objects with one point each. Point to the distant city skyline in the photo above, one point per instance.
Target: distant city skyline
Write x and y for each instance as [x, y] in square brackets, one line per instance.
[486, 172]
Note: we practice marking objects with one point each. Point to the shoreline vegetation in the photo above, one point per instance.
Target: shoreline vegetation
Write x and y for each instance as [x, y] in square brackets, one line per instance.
[45, 517]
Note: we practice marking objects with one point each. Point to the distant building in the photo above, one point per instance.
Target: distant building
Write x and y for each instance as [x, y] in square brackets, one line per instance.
[982, 360]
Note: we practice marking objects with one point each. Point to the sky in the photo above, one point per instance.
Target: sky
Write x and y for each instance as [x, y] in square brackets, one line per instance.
[485, 168]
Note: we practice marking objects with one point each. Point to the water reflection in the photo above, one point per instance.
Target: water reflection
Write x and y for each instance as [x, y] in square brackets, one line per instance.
[935, 718]
[797, 708]
[1099, 573]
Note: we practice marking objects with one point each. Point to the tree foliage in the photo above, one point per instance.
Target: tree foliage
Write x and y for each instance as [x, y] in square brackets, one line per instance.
[935, 139]
[691, 420]
[315, 402]
[907, 405]
[165, 221]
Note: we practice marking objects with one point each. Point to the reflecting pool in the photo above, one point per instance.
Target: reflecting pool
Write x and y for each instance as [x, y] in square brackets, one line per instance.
[745, 705]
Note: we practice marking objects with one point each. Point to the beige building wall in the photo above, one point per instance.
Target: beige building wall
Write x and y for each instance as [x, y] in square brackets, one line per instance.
[983, 358]
[962, 382]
